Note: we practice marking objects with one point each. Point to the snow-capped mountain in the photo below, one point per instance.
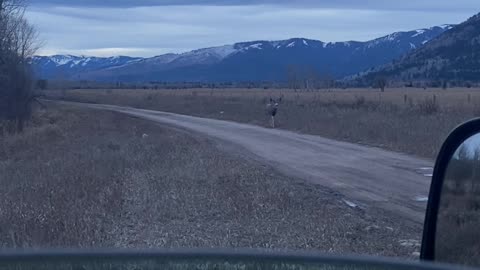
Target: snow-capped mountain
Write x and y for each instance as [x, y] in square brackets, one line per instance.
[246, 61]
[66, 66]
[452, 57]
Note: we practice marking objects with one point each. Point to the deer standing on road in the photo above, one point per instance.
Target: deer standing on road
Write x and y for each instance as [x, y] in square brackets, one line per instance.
[272, 109]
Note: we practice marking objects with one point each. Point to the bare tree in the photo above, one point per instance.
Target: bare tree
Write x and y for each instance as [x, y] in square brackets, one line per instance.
[312, 78]
[43, 84]
[18, 43]
[444, 85]
[326, 80]
[380, 82]
[294, 78]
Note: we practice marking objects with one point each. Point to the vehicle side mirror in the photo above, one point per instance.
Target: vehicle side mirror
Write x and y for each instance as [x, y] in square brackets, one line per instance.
[452, 223]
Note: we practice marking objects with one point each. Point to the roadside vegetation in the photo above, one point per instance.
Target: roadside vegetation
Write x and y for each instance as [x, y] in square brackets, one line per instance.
[409, 120]
[18, 42]
[84, 178]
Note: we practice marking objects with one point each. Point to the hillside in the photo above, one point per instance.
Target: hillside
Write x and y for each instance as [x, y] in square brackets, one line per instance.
[452, 57]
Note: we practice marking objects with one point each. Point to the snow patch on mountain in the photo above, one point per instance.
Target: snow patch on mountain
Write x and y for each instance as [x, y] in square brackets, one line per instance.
[446, 26]
[86, 61]
[223, 51]
[392, 37]
[61, 60]
[419, 32]
[255, 46]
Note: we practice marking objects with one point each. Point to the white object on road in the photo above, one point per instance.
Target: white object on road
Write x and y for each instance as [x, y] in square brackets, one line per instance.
[421, 199]
[349, 203]
[410, 243]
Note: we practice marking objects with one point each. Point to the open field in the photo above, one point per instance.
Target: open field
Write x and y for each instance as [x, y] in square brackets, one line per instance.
[414, 121]
[84, 178]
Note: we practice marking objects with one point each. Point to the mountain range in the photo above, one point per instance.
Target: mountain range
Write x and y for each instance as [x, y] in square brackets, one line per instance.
[452, 57]
[240, 62]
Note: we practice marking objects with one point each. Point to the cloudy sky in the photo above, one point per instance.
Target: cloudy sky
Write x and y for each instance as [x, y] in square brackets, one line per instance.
[153, 27]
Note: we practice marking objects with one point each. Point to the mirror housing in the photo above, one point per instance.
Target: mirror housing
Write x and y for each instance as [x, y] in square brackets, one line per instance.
[456, 138]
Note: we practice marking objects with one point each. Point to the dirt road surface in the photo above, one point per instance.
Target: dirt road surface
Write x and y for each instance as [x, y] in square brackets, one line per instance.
[369, 178]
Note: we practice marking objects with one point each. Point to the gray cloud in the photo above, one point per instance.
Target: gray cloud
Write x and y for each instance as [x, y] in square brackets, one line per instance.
[152, 30]
[426, 5]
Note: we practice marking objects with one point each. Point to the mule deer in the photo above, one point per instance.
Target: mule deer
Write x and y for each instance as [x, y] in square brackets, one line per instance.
[272, 109]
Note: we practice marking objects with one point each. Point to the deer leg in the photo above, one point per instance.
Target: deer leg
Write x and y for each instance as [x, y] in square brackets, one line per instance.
[273, 121]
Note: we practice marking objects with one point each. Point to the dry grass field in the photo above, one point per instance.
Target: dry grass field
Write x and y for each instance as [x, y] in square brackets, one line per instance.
[414, 121]
[84, 178]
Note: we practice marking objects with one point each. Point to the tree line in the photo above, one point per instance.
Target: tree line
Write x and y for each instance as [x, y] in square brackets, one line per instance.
[18, 43]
